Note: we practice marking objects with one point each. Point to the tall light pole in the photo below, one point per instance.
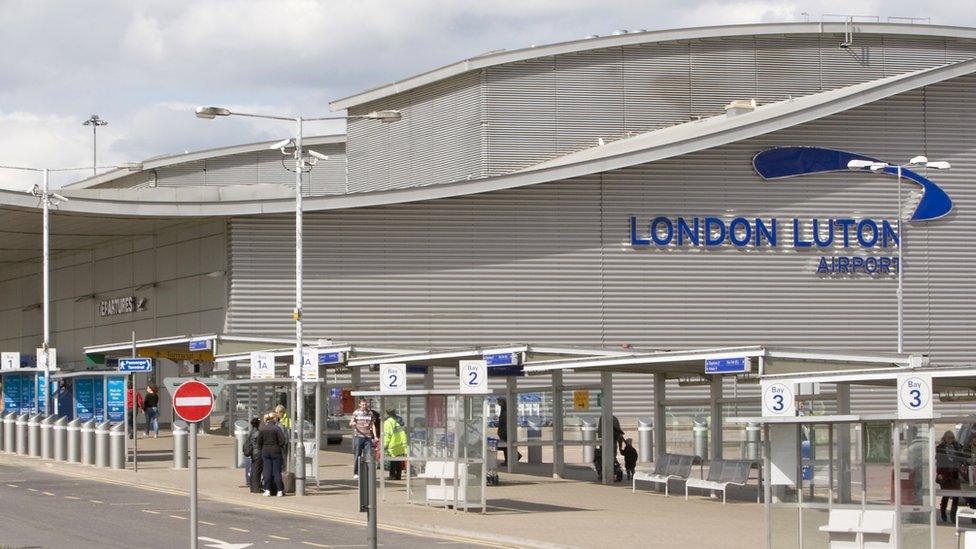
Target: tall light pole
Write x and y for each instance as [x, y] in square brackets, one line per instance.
[878, 167]
[48, 199]
[94, 122]
[296, 142]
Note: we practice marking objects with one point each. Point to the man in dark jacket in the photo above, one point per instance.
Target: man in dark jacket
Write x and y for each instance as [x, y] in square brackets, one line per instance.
[257, 464]
[271, 442]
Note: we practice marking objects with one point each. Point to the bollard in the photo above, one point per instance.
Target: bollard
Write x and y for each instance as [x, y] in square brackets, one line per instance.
[21, 434]
[74, 441]
[242, 430]
[34, 435]
[753, 435]
[180, 454]
[101, 444]
[700, 437]
[116, 437]
[3, 432]
[588, 426]
[533, 432]
[645, 439]
[59, 432]
[88, 442]
[47, 437]
[9, 432]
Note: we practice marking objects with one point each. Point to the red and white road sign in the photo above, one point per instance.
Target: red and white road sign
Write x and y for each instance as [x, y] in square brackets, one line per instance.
[193, 401]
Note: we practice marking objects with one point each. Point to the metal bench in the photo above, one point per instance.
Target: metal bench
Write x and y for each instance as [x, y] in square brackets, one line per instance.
[857, 529]
[666, 468]
[723, 473]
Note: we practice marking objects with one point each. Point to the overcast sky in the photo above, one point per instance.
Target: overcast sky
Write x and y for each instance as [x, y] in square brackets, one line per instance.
[143, 65]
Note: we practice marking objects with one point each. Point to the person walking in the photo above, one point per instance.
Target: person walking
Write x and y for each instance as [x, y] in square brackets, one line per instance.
[270, 444]
[948, 459]
[394, 443]
[253, 464]
[363, 433]
[130, 395]
[503, 431]
[151, 407]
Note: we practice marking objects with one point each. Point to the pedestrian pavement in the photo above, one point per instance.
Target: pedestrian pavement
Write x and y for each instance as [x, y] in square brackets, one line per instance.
[528, 509]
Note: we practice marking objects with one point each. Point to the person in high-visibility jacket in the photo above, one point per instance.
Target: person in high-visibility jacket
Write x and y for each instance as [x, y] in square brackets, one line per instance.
[394, 443]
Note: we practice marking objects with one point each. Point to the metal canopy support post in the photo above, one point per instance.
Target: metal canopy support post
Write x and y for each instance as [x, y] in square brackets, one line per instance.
[896, 478]
[767, 487]
[558, 450]
[931, 484]
[232, 399]
[511, 408]
[135, 431]
[318, 419]
[607, 444]
[843, 438]
[429, 378]
[715, 408]
[660, 419]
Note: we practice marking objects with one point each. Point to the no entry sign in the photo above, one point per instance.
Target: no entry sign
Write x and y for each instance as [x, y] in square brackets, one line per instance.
[193, 401]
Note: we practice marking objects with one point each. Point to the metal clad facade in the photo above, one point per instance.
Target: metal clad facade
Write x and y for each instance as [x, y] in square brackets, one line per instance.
[552, 263]
[438, 140]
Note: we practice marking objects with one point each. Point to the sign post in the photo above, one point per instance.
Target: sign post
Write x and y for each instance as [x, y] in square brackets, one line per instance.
[193, 402]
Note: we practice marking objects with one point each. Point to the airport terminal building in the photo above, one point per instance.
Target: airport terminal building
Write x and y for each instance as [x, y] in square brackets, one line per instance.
[665, 190]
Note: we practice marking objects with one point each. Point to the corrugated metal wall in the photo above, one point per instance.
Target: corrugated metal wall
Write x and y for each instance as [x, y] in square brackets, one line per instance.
[438, 140]
[251, 168]
[552, 263]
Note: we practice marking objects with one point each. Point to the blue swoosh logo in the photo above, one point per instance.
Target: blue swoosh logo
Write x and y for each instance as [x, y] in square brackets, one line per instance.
[783, 162]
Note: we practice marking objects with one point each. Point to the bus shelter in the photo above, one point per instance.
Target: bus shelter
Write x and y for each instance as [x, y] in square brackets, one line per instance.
[858, 479]
[23, 391]
[447, 450]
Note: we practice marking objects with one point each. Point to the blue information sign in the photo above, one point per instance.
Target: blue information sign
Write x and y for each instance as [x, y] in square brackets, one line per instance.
[201, 345]
[502, 359]
[416, 369]
[506, 371]
[116, 398]
[330, 358]
[89, 399]
[727, 365]
[135, 365]
[11, 392]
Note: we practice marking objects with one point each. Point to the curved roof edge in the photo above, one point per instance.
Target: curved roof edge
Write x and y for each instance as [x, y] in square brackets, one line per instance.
[193, 156]
[649, 147]
[511, 56]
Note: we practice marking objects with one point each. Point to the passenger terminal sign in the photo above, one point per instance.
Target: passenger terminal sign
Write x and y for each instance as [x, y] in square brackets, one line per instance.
[859, 245]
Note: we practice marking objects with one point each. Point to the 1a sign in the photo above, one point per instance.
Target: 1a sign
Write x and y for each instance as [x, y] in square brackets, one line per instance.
[9, 361]
[473, 376]
[310, 364]
[393, 378]
[135, 365]
[262, 365]
[778, 399]
[914, 396]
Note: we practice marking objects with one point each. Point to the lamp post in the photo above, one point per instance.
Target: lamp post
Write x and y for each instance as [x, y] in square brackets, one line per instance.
[876, 167]
[296, 142]
[94, 122]
[45, 195]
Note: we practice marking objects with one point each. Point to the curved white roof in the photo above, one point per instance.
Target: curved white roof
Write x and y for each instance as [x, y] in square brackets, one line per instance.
[648, 147]
[502, 57]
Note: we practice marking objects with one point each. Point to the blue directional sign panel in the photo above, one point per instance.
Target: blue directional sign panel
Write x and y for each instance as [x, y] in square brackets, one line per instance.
[502, 359]
[201, 345]
[331, 358]
[135, 365]
[116, 398]
[416, 369]
[736, 365]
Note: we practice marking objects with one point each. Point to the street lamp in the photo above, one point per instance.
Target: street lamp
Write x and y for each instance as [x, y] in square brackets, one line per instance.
[385, 116]
[94, 122]
[879, 167]
[47, 199]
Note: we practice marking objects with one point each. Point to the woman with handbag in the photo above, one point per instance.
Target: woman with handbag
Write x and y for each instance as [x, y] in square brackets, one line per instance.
[949, 458]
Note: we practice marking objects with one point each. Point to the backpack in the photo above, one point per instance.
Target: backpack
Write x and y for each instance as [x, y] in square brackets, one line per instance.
[248, 447]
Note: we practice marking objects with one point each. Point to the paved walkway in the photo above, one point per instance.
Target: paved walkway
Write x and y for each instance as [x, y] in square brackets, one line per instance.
[529, 508]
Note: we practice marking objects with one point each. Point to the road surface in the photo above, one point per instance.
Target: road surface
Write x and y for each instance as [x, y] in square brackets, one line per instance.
[43, 510]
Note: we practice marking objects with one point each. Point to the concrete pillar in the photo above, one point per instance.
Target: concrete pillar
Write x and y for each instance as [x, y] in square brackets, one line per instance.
[606, 411]
[558, 451]
[511, 398]
[842, 437]
[660, 418]
[717, 422]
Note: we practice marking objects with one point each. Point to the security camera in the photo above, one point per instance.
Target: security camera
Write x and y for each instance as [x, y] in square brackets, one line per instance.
[32, 190]
[318, 155]
[57, 196]
[284, 143]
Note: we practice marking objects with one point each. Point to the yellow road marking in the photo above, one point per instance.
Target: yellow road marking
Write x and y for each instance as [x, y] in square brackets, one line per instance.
[47, 493]
[71, 497]
[238, 529]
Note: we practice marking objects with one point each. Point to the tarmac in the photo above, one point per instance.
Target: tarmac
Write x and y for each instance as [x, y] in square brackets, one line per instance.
[528, 509]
